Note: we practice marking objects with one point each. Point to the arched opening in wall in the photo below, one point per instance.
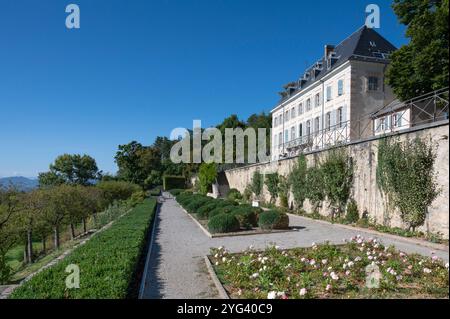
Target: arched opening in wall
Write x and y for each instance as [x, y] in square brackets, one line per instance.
[224, 186]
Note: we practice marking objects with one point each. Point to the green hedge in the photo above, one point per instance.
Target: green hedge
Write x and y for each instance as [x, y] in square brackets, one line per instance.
[107, 262]
[174, 182]
[223, 223]
[273, 220]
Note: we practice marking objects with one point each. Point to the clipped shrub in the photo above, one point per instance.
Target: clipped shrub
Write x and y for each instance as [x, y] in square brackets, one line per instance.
[352, 215]
[174, 182]
[234, 195]
[223, 223]
[246, 216]
[221, 210]
[273, 220]
[204, 211]
[176, 192]
[196, 203]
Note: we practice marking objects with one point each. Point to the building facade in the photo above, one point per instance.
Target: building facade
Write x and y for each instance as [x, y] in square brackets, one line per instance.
[332, 102]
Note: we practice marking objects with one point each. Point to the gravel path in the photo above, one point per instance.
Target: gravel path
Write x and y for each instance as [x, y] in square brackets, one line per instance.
[177, 269]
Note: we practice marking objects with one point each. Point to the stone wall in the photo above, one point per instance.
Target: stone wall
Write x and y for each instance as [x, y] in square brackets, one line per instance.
[365, 190]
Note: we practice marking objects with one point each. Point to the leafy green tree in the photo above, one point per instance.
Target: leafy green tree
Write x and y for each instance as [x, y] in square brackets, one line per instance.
[297, 178]
[272, 182]
[207, 175]
[285, 188]
[422, 65]
[136, 162]
[70, 169]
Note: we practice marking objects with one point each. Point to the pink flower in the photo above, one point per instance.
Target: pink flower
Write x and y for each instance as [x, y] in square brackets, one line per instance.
[303, 291]
[328, 288]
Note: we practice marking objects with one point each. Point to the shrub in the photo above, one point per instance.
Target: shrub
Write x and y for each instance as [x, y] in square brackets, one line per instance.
[136, 199]
[256, 185]
[207, 175]
[223, 223]
[176, 192]
[174, 182]
[272, 182]
[246, 216]
[352, 215]
[204, 211]
[284, 190]
[117, 190]
[234, 195]
[196, 203]
[273, 220]
[108, 262]
[155, 191]
[247, 195]
[297, 179]
[221, 210]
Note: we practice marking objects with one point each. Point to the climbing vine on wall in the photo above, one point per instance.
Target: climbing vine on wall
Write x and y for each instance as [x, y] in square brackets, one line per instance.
[405, 175]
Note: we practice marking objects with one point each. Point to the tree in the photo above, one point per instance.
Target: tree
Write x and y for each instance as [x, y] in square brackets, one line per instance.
[337, 174]
[272, 182]
[207, 175]
[163, 145]
[256, 184]
[136, 162]
[9, 207]
[422, 65]
[297, 179]
[70, 169]
[315, 188]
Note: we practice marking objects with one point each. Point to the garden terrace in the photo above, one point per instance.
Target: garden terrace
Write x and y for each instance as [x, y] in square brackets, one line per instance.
[108, 262]
[331, 271]
[229, 217]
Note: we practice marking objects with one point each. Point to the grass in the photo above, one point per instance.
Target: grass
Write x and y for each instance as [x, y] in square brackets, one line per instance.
[107, 262]
[330, 272]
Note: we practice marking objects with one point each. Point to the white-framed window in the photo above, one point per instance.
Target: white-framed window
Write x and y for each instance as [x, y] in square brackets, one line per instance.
[275, 122]
[340, 87]
[286, 136]
[300, 109]
[382, 124]
[394, 120]
[308, 128]
[317, 100]
[293, 115]
[293, 133]
[280, 139]
[372, 83]
[340, 116]
[329, 92]
[328, 121]
[300, 130]
[280, 118]
[316, 125]
[308, 105]
[286, 116]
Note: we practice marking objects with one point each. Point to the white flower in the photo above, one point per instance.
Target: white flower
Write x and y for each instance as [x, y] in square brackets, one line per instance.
[427, 270]
[446, 265]
[328, 288]
[350, 264]
[216, 255]
[217, 263]
[370, 257]
[334, 276]
[312, 262]
[265, 268]
[358, 258]
[255, 275]
[281, 294]
[330, 268]
[324, 261]
[302, 259]
[347, 272]
[303, 291]
[224, 259]
[272, 295]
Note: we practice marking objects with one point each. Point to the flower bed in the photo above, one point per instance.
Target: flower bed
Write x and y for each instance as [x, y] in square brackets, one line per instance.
[330, 271]
[227, 216]
[107, 262]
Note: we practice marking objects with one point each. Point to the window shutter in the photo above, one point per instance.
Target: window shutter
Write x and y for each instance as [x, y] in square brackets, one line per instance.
[333, 118]
[399, 117]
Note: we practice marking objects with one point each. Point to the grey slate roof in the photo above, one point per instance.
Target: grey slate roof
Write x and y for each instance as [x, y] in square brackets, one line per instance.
[365, 44]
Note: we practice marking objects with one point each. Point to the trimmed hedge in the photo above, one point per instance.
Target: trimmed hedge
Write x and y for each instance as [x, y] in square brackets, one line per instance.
[246, 216]
[223, 223]
[174, 182]
[107, 262]
[273, 220]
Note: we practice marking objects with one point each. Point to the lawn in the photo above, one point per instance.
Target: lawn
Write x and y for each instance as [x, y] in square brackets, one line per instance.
[331, 271]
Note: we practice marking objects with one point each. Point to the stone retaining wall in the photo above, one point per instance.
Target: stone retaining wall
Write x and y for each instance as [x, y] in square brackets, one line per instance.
[365, 190]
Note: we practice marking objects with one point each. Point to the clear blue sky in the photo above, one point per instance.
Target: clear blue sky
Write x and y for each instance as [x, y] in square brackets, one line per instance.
[138, 69]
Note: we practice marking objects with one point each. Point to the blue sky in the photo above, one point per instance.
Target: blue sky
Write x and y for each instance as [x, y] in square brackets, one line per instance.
[137, 69]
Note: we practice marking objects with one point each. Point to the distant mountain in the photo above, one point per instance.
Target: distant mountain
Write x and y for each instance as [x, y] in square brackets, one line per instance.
[21, 183]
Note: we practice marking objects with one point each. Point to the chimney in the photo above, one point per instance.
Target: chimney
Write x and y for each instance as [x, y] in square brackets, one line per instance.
[328, 49]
